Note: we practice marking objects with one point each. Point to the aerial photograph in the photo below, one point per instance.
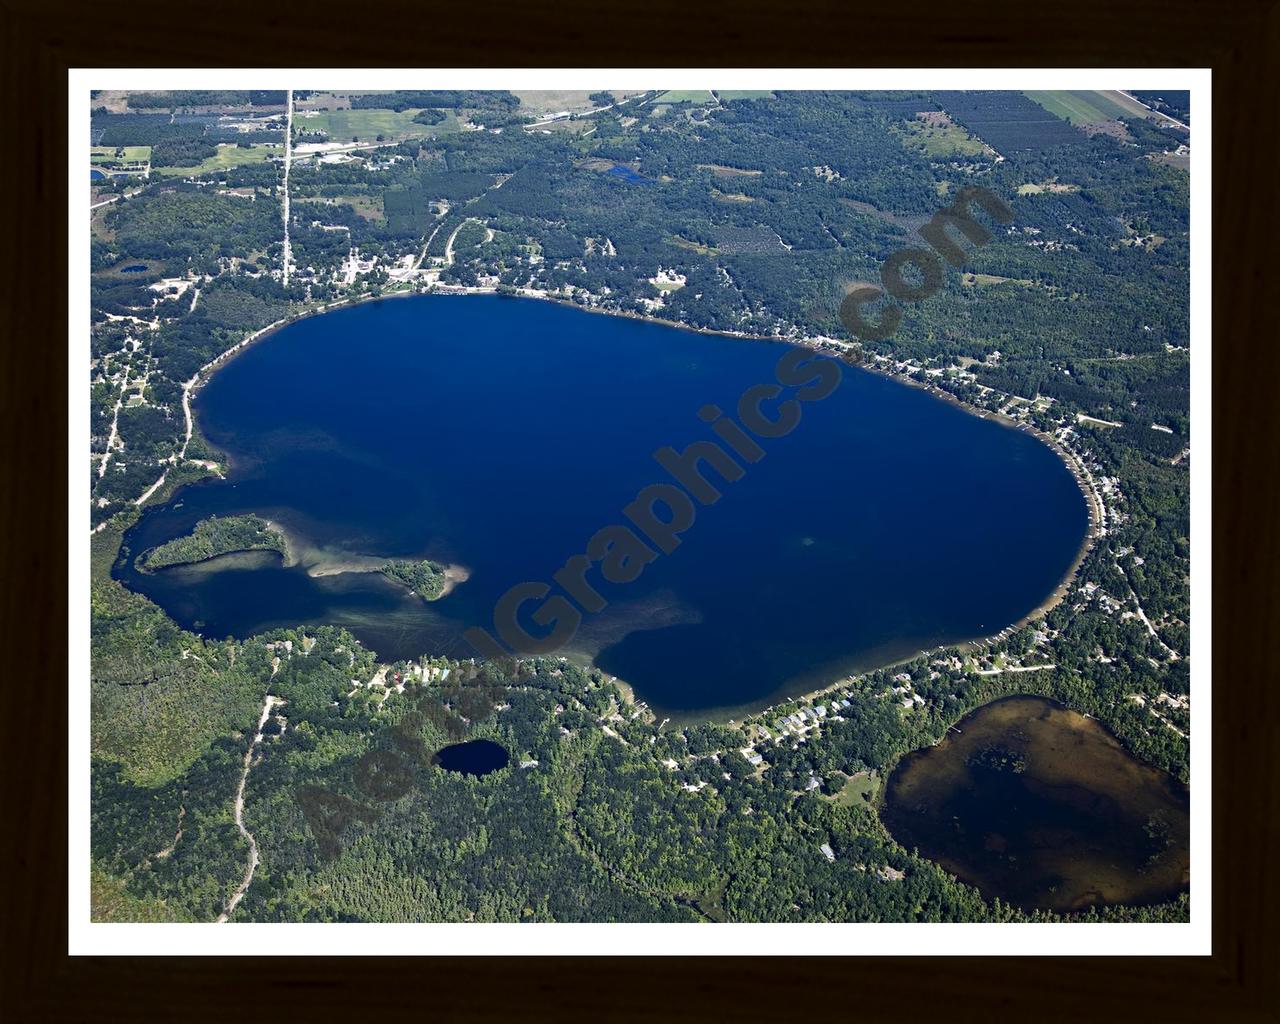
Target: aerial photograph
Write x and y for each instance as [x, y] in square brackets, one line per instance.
[670, 506]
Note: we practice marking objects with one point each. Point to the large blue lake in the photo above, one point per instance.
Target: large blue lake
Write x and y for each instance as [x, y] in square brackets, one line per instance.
[500, 434]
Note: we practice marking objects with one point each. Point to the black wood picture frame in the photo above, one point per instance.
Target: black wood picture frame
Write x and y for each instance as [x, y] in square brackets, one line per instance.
[1236, 38]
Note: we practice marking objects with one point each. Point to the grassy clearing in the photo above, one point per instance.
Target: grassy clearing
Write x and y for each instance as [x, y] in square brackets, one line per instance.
[115, 101]
[909, 222]
[859, 790]
[1171, 160]
[720, 171]
[543, 102]
[323, 100]
[701, 250]
[119, 154]
[1129, 106]
[368, 207]
[367, 125]
[938, 136]
[744, 94]
[686, 96]
[229, 155]
[98, 225]
[1034, 188]
[566, 127]
[987, 280]
[1084, 109]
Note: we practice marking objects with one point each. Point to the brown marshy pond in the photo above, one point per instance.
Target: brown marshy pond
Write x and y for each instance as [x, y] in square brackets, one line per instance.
[1043, 808]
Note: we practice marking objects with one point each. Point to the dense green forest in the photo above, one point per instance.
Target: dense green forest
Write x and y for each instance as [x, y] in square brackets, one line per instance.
[424, 578]
[583, 825]
[216, 536]
[1073, 319]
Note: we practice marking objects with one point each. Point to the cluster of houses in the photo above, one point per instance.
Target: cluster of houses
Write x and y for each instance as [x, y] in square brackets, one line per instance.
[1093, 592]
[799, 723]
[907, 697]
[796, 725]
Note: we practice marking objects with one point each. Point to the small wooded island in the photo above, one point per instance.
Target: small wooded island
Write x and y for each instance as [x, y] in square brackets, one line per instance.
[213, 537]
[424, 578]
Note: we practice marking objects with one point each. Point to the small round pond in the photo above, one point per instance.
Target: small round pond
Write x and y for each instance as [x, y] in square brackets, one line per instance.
[475, 757]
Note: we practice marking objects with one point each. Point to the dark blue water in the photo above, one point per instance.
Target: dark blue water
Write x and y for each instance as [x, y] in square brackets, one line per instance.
[475, 757]
[628, 175]
[501, 434]
[95, 174]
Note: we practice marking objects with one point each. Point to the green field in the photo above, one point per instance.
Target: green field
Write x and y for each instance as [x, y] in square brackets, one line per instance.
[367, 125]
[860, 790]
[941, 140]
[1080, 108]
[1032, 188]
[368, 207]
[1130, 106]
[685, 96]
[744, 94]
[130, 154]
[987, 280]
[229, 155]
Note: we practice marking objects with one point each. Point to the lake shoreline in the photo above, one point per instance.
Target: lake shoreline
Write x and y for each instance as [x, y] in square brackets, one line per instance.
[1093, 503]
[822, 345]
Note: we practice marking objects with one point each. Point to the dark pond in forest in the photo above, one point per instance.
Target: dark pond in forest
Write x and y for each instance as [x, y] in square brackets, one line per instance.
[1043, 808]
[475, 757]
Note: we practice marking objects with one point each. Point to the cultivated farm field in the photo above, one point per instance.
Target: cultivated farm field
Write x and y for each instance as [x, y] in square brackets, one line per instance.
[1082, 108]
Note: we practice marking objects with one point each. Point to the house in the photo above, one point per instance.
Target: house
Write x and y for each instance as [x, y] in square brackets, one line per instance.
[827, 852]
